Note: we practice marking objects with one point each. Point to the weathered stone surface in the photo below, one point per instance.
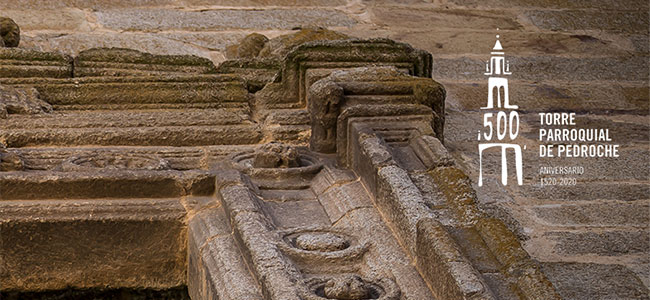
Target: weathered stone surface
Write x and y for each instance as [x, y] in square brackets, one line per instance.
[616, 84]
[249, 47]
[178, 293]
[36, 4]
[431, 151]
[339, 200]
[9, 33]
[453, 42]
[208, 45]
[16, 62]
[261, 3]
[10, 161]
[575, 20]
[401, 201]
[559, 4]
[143, 136]
[584, 281]
[164, 19]
[312, 61]
[608, 243]
[368, 153]
[444, 266]
[280, 46]
[74, 243]
[588, 191]
[330, 96]
[90, 185]
[64, 18]
[536, 97]
[21, 101]
[633, 68]
[212, 250]
[124, 62]
[276, 155]
[596, 214]
[349, 287]
[442, 18]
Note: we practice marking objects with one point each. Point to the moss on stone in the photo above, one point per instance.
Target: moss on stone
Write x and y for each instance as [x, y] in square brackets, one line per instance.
[122, 55]
[282, 45]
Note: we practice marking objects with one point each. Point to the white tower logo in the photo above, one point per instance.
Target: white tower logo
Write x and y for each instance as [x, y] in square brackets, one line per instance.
[507, 118]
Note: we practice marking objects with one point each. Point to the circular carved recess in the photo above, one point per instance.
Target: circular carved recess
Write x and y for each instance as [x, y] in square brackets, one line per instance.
[114, 161]
[321, 241]
[276, 159]
[322, 246]
[349, 287]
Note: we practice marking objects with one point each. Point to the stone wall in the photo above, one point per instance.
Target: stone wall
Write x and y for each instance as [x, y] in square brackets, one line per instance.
[588, 56]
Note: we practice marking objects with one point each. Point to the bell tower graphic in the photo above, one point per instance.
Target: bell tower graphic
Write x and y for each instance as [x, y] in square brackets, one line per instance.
[501, 119]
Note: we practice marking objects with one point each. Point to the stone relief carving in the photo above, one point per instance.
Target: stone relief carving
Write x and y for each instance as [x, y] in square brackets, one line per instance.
[112, 160]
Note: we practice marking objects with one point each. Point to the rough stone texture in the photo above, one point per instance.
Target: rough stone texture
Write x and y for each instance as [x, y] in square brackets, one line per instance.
[74, 243]
[331, 96]
[628, 21]
[280, 46]
[9, 33]
[21, 101]
[312, 61]
[595, 281]
[249, 47]
[163, 19]
[442, 263]
[17, 62]
[613, 243]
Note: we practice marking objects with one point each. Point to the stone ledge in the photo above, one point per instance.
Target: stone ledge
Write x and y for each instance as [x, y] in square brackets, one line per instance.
[212, 251]
[92, 185]
[444, 266]
[73, 243]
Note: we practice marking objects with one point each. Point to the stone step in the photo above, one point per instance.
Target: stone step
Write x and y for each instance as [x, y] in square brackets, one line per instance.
[587, 191]
[515, 4]
[597, 214]
[612, 243]
[418, 18]
[631, 21]
[554, 4]
[212, 20]
[548, 68]
[553, 96]
[481, 40]
[586, 281]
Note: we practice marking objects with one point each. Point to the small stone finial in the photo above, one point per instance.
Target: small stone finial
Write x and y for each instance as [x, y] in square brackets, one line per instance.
[9, 33]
